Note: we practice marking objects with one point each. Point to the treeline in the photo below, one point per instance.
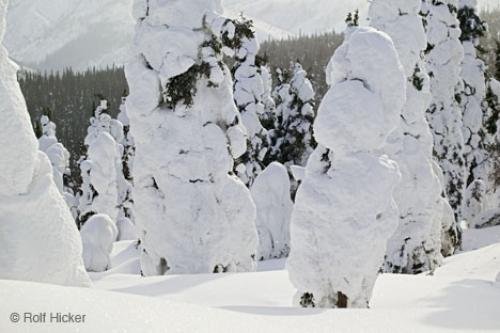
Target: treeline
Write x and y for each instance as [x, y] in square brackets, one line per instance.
[71, 98]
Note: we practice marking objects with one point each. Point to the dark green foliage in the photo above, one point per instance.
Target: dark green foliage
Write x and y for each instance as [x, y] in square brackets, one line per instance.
[243, 29]
[493, 103]
[182, 88]
[352, 20]
[307, 301]
[471, 25]
[418, 79]
[71, 99]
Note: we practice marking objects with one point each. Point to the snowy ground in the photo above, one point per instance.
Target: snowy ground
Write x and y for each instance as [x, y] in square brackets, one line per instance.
[463, 295]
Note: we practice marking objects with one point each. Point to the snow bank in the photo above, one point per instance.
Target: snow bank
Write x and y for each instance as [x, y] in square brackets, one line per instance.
[98, 235]
[38, 237]
[345, 201]
[271, 194]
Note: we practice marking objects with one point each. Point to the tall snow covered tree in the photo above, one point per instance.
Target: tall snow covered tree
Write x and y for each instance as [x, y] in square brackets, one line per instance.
[416, 245]
[248, 95]
[101, 167]
[38, 237]
[126, 218]
[193, 214]
[471, 100]
[443, 57]
[267, 118]
[344, 210]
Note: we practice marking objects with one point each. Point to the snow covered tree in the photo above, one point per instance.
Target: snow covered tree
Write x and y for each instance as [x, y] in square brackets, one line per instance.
[248, 95]
[98, 235]
[39, 240]
[271, 194]
[443, 57]
[192, 213]
[345, 201]
[472, 97]
[101, 167]
[125, 219]
[267, 119]
[295, 115]
[59, 159]
[416, 245]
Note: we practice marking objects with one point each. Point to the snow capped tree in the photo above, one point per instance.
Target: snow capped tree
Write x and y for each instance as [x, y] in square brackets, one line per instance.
[271, 194]
[295, 116]
[39, 240]
[98, 235]
[267, 118]
[101, 169]
[125, 219]
[59, 159]
[344, 210]
[473, 95]
[192, 213]
[249, 92]
[416, 245]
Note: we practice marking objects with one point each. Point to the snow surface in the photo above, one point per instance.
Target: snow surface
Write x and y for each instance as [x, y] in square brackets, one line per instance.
[461, 296]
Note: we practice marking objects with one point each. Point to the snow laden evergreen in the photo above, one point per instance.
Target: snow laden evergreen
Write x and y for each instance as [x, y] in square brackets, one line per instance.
[295, 116]
[416, 245]
[271, 194]
[193, 214]
[443, 57]
[39, 240]
[471, 100]
[101, 168]
[267, 119]
[126, 218]
[344, 210]
[98, 235]
[59, 159]
[249, 92]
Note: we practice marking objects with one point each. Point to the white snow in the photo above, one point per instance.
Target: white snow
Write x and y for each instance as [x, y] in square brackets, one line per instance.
[345, 200]
[193, 216]
[98, 235]
[271, 194]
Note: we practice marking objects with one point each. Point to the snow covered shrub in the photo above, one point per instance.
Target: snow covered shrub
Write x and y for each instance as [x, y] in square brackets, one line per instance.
[271, 194]
[101, 168]
[39, 240]
[98, 235]
[248, 95]
[416, 245]
[193, 215]
[345, 201]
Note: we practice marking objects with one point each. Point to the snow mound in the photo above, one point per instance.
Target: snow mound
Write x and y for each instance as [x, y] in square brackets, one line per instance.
[271, 194]
[98, 235]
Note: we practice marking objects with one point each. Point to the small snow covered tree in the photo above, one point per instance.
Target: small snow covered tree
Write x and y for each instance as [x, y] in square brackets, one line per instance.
[416, 245]
[271, 194]
[293, 138]
[267, 119]
[98, 235]
[193, 214]
[59, 159]
[248, 95]
[344, 210]
[101, 167]
[39, 240]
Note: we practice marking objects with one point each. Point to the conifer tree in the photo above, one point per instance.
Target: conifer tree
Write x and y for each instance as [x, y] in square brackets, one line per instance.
[192, 213]
[249, 92]
[416, 245]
